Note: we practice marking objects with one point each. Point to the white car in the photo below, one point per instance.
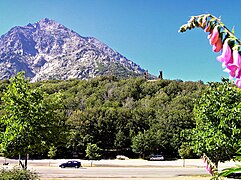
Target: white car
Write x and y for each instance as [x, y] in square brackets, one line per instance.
[121, 157]
[157, 158]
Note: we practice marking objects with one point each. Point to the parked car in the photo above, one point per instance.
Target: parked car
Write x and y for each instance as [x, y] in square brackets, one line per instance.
[157, 158]
[75, 164]
[121, 157]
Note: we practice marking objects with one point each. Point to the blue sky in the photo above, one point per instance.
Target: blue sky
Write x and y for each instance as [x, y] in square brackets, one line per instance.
[144, 31]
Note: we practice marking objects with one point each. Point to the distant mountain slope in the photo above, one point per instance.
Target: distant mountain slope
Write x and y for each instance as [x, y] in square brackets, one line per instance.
[49, 50]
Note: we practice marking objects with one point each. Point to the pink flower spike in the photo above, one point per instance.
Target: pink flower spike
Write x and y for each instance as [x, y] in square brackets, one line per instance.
[210, 170]
[224, 65]
[207, 166]
[238, 73]
[238, 83]
[210, 33]
[231, 69]
[214, 36]
[236, 58]
[226, 56]
[204, 160]
[208, 28]
[218, 45]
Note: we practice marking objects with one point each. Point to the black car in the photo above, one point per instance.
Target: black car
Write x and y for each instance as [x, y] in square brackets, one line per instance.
[75, 164]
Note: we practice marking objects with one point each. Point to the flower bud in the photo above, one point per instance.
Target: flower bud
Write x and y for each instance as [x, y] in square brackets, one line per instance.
[218, 45]
[204, 21]
[214, 35]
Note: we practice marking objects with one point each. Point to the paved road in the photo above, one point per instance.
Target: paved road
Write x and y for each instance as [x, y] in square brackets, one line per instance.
[117, 169]
[117, 172]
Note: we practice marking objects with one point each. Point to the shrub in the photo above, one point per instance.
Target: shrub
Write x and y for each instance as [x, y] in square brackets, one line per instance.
[18, 174]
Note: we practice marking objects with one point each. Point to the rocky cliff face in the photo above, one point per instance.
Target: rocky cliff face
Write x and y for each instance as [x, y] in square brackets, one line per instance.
[49, 50]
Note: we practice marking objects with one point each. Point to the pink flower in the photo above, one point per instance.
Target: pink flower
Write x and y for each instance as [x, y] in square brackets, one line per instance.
[238, 73]
[231, 69]
[210, 170]
[207, 166]
[234, 68]
[238, 83]
[214, 35]
[236, 58]
[218, 45]
[226, 56]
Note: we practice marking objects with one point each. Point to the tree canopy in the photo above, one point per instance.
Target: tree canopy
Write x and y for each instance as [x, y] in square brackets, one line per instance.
[31, 122]
[218, 122]
[114, 113]
[111, 113]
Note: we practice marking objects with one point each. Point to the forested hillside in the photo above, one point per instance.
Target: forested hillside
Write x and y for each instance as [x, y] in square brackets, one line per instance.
[134, 117]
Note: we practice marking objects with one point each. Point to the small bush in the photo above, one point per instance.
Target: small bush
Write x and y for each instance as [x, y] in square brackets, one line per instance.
[17, 174]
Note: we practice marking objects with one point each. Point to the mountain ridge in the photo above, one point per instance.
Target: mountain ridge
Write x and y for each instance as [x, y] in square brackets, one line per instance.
[49, 50]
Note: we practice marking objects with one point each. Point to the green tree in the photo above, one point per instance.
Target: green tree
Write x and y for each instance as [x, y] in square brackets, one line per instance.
[185, 151]
[147, 142]
[52, 151]
[218, 122]
[173, 118]
[32, 121]
[93, 152]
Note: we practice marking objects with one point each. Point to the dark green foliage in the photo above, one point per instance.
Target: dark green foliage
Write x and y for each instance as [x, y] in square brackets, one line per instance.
[116, 113]
[113, 113]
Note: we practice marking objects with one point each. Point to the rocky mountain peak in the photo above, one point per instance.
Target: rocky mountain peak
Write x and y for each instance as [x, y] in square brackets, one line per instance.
[47, 21]
[47, 24]
[49, 50]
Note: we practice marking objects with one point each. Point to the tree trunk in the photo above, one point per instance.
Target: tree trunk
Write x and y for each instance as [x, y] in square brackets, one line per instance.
[19, 159]
[26, 161]
[143, 156]
[20, 162]
[216, 165]
[183, 164]
[215, 171]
